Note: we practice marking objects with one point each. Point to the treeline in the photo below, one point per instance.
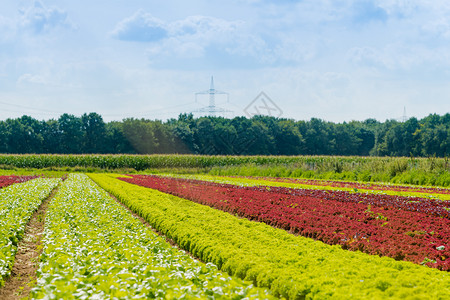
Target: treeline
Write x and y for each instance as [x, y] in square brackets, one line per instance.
[260, 135]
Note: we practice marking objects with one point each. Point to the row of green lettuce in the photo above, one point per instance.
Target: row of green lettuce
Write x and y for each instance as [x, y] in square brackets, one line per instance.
[95, 249]
[18, 202]
[291, 266]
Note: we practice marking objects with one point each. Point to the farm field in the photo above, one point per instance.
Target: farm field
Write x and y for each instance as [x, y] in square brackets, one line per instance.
[373, 223]
[130, 236]
[293, 266]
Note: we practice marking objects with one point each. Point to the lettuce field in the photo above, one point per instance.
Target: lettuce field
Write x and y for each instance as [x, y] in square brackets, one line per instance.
[200, 236]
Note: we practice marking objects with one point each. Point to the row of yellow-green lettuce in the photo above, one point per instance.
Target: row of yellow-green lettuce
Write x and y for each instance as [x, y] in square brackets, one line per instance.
[249, 181]
[292, 266]
[95, 249]
[17, 204]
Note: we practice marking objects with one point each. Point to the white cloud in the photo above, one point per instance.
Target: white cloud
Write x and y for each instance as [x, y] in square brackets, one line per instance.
[439, 27]
[218, 41]
[204, 26]
[140, 27]
[40, 19]
[7, 30]
[204, 31]
[368, 11]
[30, 78]
[400, 8]
[364, 55]
[429, 18]
[191, 38]
[4, 23]
[175, 48]
[400, 56]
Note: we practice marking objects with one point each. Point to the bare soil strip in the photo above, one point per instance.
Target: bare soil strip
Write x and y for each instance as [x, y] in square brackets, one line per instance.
[26, 263]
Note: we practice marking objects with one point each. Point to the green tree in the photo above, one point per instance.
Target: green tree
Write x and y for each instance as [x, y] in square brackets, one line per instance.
[70, 129]
[52, 137]
[316, 133]
[116, 142]
[25, 135]
[346, 140]
[94, 133]
[4, 137]
[204, 137]
[140, 134]
[288, 139]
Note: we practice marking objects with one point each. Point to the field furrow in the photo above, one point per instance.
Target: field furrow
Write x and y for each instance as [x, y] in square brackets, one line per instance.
[17, 204]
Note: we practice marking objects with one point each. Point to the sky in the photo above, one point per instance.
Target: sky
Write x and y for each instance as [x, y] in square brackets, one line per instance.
[337, 60]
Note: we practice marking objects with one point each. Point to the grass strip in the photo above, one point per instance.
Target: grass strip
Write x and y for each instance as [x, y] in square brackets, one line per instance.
[94, 249]
[292, 266]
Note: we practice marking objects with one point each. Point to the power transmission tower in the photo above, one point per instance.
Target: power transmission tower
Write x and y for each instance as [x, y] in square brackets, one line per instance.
[404, 118]
[212, 109]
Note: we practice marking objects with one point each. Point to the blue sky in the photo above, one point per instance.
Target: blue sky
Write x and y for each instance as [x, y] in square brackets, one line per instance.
[337, 60]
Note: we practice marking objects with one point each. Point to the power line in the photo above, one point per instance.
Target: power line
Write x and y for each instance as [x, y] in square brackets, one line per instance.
[31, 108]
[161, 111]
[150, 111]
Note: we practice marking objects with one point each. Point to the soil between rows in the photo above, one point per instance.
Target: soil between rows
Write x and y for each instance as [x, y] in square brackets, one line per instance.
[26, 263]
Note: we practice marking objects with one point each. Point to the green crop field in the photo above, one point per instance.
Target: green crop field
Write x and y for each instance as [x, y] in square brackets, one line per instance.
[198, 227]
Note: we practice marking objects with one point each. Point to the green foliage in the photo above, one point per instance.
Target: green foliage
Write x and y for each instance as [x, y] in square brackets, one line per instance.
[374, 215]
[95, 249]
[260, 135]
[291, 266]
[17, 204]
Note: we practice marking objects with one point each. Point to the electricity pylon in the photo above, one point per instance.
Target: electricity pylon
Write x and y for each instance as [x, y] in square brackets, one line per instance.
[212, 109]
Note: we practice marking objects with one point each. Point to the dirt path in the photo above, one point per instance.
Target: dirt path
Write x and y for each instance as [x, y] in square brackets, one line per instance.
[23, 274]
